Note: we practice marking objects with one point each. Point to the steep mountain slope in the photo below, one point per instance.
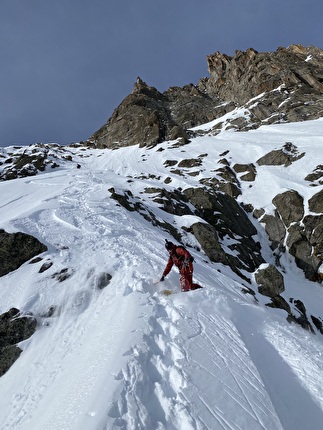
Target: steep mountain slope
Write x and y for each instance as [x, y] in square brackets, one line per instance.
[110, 350]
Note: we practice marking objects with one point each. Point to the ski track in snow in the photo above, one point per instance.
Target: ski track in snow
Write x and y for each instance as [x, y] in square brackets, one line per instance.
[127, 357]
[161, 384]
[156, 387]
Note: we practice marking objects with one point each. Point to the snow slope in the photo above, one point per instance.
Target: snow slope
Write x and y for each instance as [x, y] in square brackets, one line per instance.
[128, 357]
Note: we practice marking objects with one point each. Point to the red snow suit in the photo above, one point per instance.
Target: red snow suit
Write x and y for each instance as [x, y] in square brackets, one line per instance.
[182, 259]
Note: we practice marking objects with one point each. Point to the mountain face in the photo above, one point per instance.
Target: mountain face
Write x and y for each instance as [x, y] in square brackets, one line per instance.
[208, 184]
[260, 88]
[242, 93]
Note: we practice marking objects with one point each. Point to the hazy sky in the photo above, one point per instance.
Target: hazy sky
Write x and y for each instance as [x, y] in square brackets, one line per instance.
[65, 65]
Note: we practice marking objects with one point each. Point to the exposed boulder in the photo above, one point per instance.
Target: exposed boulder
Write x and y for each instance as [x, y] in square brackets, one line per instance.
[8, 355]
[281, 157]
[300, 315]
[103, 280]
[249, 171]
[16, 249]
[299, 245]
[209, 241]
[190, 162]
[45, 266]
[14, 328]
[290, 206]
[316, 176]
[132, 203]
[221, 211]
[270, 281]
[303, 236]
[62, 275]
[275, 229]
[315, 203]
[313, 226]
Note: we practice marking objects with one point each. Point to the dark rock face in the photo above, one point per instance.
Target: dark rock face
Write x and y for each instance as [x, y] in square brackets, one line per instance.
[190, 106]
[299, 242]
[302, 235]
[209, 241]
[315, 203]
[292, 75]
[16, 249]
[273, 87]
[275, 229]
[147, 117]
[316, 177]
[140, 119]
[222, 211]
[270, 281]
[249, 171]
[290, 206]
[14, 328]
[281, 157]
[103, 280]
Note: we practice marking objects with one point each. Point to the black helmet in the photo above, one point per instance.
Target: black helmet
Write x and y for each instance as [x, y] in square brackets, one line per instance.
[168, 245]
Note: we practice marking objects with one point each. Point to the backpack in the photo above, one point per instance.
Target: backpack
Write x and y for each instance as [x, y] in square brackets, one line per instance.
[180, 257]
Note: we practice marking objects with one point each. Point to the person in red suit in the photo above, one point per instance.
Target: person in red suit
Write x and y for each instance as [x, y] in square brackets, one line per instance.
[182, 259]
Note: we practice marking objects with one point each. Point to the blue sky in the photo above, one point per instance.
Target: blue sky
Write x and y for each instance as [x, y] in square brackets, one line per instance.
[67, 64]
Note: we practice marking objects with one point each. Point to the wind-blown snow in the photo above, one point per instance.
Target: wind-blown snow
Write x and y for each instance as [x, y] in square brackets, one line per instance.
[127, 357]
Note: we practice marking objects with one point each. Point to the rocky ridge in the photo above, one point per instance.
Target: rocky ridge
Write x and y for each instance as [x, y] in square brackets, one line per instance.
[258, 87]
[23, 161]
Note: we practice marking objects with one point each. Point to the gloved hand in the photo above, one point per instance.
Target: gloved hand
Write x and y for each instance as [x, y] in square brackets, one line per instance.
[162, 278]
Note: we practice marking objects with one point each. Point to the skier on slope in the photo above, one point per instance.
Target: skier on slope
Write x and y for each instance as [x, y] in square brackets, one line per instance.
[179, 256]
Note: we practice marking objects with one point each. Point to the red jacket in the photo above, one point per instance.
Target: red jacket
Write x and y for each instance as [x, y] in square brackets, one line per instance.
[181, 258]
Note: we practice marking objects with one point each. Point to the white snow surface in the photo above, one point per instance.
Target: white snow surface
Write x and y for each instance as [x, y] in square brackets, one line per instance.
[128, 357]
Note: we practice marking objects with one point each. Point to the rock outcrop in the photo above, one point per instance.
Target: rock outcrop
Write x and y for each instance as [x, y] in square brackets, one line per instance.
[281, 157]
[270, 281]
[23, 161]
[250, 73]
[303, 235]
[16, 249]
[147, 117]
[285, 85]
[259, 87]
[14, 328]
